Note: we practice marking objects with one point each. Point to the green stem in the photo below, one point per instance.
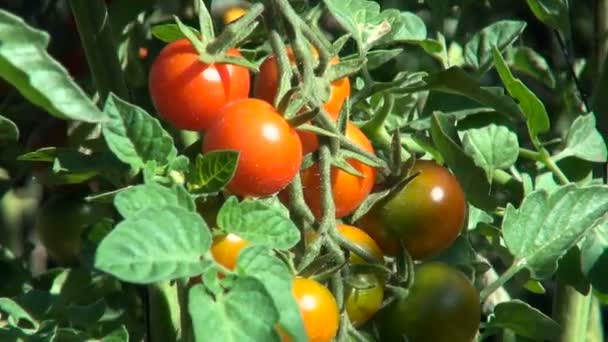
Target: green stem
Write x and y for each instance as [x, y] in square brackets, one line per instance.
[506, 276]
[572, 311]
[96, 35]
[529, 154]
[165, 313]
[551, 165]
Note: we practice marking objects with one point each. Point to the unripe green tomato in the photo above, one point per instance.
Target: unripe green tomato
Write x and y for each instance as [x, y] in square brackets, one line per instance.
[61, 222]
[442, 306]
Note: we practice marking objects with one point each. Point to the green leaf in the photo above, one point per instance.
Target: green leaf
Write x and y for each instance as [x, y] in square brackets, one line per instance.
[491, 147]
[25, 63]
[377, 58]
[570, 267]
[455, 81]
[245, 313]
[364, 21]
[158, 244]
[260, 262]
[86, 315]
[531, 63]
[546, 225]
[132, 201]
[594, 257]
[554, 13]
[258, 223]
[9, 132]
[478, 50]
[170, 32]
[477, 216]
[584, 141]
[530, 105]
[16, 313]
[120, 334]
[212, 171]
[524, 320]
[134, 136]
[470, 176]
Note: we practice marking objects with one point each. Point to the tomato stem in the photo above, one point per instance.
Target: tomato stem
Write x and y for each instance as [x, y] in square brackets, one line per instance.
[572, 311]
[91, 17]
[502, 279]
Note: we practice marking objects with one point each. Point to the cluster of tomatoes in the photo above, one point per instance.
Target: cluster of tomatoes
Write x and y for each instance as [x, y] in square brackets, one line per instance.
[425, 216]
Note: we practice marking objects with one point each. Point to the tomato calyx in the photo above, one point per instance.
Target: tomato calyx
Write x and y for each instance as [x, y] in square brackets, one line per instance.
[211, 49]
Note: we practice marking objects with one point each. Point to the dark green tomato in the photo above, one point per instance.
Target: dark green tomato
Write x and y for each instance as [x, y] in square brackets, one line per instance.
[61, 222]
[364, 299]
[442, 306]
[427, 214]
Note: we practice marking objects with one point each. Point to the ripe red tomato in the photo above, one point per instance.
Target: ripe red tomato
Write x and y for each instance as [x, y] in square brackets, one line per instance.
[266, 84]
[318, 308]
[226, 248]
[364, 300]
[61, 222]
[188, 93]
[442, 306]
[270, 150]
[348, 190]
[427, 214]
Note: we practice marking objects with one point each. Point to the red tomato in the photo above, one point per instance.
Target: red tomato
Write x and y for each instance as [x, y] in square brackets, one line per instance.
[318, 308]
[188, 93]
[270, 150]
[226, 248]
[348, 190]
[266, 84]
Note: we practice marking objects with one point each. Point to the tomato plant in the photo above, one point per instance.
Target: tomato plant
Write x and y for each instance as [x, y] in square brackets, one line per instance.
[188, 93]
[318, 308]
[442, 305]
[270, 150]
[445, 166]
[267, 83]
[427, 214]
[348, 190]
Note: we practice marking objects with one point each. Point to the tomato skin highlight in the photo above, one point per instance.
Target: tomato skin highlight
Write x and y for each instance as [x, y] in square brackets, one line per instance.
[348, 190]
[226, 248]
[427, 214]
[188, 93]
[442, 306]
[266, 84]
[318, 308]
[270, 150]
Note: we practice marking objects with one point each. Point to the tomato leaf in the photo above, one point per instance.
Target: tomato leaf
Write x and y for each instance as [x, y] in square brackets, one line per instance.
[86, 315]
[134, 136]
[170, 32]
[245, 313]
[212, 171]
[524, 320]
[258, 223]
[25, 63]
[377, 58]
[530, 105]
[157, 244]
[456, 81]
[132, 201]
[477, 216]
[16, 313]
[491, 147]
[531, 63]
[584, 141]
[260, 262]
[594, 257]
[554, 13]
[9, 132]
[545, 226]
[570, 268]
[478, 50]
[364, 21]
[470, 176]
